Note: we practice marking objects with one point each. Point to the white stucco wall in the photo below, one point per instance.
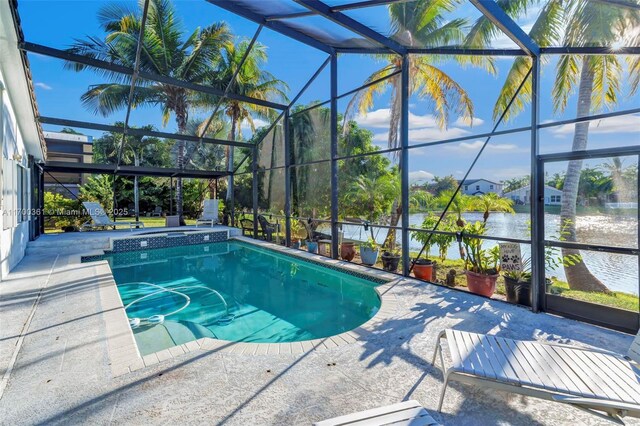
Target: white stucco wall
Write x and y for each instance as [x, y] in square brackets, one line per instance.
[14, 234]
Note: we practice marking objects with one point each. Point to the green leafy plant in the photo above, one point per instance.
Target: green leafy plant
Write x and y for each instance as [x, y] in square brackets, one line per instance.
[442, 241]
[370, 244]
[392, 252]
[296, 230]
[477, 259]
[553, 259]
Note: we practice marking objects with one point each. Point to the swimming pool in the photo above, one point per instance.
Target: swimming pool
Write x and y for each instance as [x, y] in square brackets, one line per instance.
[238, 292]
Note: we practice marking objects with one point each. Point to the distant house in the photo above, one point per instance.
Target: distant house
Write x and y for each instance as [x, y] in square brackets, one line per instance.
[68, 148]
[552, 196]
[480, 187]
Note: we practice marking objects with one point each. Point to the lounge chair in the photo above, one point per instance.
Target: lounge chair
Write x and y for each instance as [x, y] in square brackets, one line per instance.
[597, 381]
[99, 218]
[403, 413]
[157, 211]
[209, 213]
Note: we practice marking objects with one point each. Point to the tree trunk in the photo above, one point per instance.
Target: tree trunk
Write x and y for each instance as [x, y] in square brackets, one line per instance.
[396, 208]
[181, 119]
[136, 192]
[232, 136]
[578, 276]
[213, 190]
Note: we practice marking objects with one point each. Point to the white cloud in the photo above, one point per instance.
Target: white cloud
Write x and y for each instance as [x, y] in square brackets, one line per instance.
[380, 118]
[43, 86]
[420, 176]
[257, 122]
[427, 134]
[475, 147]
[422, 128]
[466, 122]
[621, 124]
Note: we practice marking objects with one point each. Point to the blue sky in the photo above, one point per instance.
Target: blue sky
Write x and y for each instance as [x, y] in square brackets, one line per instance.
[57, 23]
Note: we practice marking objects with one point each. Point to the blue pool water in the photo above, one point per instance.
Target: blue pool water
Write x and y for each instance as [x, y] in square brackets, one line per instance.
[236, 291]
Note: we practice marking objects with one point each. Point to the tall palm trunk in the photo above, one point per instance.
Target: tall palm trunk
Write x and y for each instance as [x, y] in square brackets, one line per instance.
[136, 192]
[181, 120]
[232, 136]
[213, 189]
[578, 276]
[396, 208]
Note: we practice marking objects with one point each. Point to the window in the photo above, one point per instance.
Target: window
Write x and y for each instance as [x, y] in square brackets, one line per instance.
[22, 193]
[555, 198]
[490, 186]
[477, 187]
[466, 187]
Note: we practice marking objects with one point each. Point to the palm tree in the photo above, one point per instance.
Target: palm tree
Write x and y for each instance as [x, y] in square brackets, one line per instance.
[419, 23]
[373, 193]
[166, 51]
[597, 80]
[492, 202]
[460, 204]
[253, 81]
[206, 156]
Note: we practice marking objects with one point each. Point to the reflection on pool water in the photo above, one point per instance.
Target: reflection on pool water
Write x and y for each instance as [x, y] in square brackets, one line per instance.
[236, 291]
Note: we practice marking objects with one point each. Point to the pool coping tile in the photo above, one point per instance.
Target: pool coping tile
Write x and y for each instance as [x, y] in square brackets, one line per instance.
[125, 357]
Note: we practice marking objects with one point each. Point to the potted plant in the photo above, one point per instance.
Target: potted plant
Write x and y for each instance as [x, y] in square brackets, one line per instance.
[517, 284]
[423, 269]
[347, 250]
[369, 251]
[481, 265]
[296, 230]
[312, 246]
[391, 259]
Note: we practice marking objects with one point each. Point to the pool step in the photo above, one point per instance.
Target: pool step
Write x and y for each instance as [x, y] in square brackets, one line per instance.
[68, 243]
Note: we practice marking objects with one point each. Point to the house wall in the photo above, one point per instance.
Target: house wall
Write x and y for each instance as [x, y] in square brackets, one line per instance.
[15, 186]
[552, 196]
[482, 186]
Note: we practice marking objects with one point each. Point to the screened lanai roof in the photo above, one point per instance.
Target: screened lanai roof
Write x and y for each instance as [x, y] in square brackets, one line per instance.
[341, 26]
[365, 26]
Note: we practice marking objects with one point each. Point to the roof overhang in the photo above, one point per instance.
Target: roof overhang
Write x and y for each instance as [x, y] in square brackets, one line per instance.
[18, 82]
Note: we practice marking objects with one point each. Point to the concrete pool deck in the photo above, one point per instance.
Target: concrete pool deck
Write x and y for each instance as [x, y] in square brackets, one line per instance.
[54, 362]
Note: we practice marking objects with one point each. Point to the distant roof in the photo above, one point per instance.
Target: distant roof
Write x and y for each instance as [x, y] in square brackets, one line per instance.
[72, 137]
[472, 181]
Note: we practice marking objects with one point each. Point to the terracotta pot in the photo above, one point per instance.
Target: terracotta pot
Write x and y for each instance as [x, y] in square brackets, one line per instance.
[347, 251]
[484, 285]
[423, 269]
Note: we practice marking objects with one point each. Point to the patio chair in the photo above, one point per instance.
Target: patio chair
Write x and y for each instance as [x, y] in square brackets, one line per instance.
[403, 413]
[99, 218]
[157, 211]
[247, 227]
[209, 213]
[597, 381]
[267, 227]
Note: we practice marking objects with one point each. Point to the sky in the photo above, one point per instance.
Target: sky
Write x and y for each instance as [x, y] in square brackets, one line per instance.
[59, 23]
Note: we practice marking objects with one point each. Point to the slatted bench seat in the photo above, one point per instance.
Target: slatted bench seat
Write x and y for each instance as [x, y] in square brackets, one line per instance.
[404, 413]
[601, 382]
